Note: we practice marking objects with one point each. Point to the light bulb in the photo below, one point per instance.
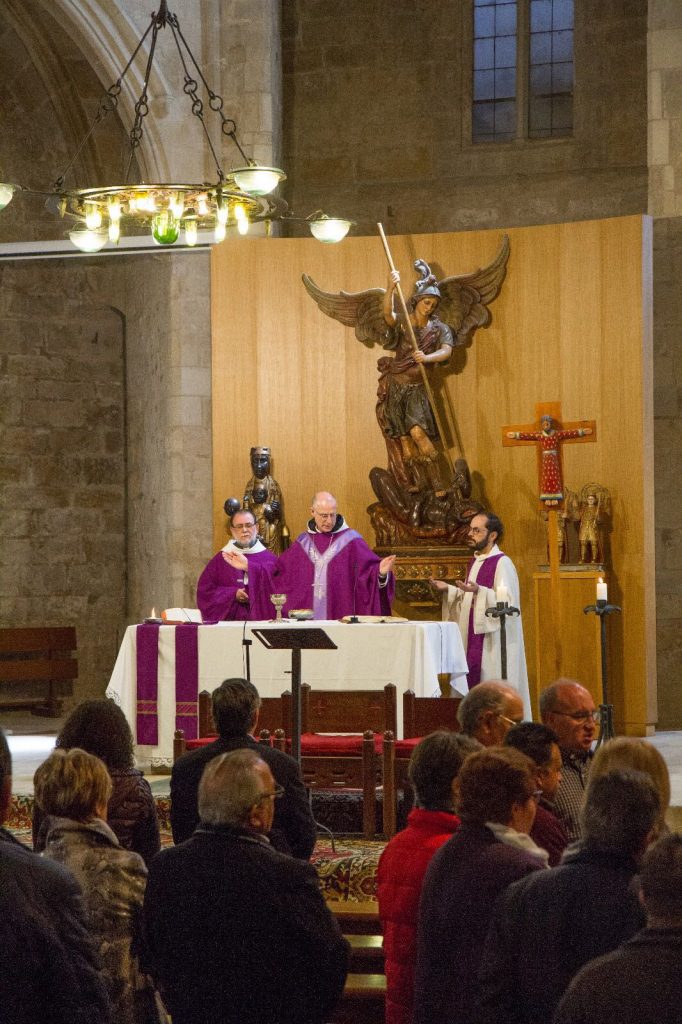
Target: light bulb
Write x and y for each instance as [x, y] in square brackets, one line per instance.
[330, 229]
[258, 181]
[177, 206]
[88, 241]
[219, 232]
[222, 214]
[6, 193]
[191, 233]
[243, 225]
[165, 228]
[114, 210]
[93, 216]
[114, 230]
[202, 205]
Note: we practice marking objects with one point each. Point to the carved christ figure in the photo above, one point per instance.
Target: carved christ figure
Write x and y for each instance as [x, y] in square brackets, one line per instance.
[549, 439]
[443, 314]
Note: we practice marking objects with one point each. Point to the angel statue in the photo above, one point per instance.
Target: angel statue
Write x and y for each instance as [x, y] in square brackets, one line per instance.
[590, 508]
[442, 314]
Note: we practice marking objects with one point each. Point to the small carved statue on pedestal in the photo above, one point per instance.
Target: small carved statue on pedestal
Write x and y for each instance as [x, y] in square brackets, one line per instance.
[593, 506]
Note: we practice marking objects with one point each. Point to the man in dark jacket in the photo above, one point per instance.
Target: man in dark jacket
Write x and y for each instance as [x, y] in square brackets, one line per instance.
[235, 713]
[540, 744]
[545, 928]
[239, 933]
[50, 971]
[642, 980]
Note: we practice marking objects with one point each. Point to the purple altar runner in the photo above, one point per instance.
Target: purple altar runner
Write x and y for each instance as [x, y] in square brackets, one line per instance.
[186, 681]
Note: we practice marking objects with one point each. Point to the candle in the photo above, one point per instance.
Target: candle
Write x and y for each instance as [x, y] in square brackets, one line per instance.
[602, 592]
[502, 594]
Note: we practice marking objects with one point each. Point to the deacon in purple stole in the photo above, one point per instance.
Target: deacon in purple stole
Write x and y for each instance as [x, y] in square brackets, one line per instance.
[489, 572]
[331, 570]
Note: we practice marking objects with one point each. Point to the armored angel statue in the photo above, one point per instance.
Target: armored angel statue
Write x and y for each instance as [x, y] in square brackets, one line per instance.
[441, 314]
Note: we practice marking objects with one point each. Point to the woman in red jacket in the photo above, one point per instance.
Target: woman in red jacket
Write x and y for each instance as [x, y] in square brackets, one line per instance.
[434, 766]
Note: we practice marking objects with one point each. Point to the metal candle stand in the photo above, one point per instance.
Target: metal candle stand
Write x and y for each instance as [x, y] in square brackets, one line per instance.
[501, 611]
[606, 730]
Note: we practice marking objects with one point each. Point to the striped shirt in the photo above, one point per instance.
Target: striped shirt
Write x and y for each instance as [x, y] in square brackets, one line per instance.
[569, 799]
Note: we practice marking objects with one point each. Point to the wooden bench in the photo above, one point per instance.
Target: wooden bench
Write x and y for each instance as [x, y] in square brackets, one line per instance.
[37, 656]
[364, 994]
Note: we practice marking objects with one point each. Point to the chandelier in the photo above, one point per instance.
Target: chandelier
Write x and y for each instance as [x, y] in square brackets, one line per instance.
[171, 211]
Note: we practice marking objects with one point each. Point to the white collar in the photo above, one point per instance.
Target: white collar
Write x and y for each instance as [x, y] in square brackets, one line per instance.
[493, 551]
[334, 533]
[255, 550]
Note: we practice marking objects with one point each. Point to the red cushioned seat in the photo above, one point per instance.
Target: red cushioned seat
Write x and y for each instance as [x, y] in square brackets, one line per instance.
[315, 744]
[404, 748]
[202, 741]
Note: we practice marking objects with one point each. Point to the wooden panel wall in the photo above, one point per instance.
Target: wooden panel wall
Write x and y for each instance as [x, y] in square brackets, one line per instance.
[572, 324]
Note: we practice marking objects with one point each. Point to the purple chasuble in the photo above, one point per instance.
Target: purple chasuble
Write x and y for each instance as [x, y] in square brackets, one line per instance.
[352, 576]
[485, 578]
[218, 585]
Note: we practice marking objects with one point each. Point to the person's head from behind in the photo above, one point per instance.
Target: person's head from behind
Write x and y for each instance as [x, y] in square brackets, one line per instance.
[620, 813]
[101, 728]
[434, 766]
[641, 756]
[661, 880]
[73, 784]
[498, 785]
[568, 708]
[540, 744]
[488, 712]
[5, 777]
[235, 707]
[238, 790]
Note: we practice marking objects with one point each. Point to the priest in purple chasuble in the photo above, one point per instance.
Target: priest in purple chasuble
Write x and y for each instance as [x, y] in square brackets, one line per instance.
[223, 590]
[331, 570]
[466, 602]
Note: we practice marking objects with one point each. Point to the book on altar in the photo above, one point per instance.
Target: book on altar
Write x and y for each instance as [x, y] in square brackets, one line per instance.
[373, 618]
[178, 616]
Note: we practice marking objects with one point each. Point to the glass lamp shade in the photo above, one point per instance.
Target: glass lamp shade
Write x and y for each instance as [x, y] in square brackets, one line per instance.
[258, 181]
[89, 241]
[165, 228]
[6, 193]
[330, 229]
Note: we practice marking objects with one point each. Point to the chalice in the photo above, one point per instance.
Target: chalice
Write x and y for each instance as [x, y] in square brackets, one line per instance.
[279, 600]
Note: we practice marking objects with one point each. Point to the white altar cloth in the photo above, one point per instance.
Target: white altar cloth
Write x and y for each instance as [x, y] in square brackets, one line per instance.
[369, 655]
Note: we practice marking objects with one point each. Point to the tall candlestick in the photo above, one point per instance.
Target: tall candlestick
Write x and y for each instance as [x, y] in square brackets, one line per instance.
[602, 590]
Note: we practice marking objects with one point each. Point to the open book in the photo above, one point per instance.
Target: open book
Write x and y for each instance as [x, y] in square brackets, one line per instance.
[175, 615]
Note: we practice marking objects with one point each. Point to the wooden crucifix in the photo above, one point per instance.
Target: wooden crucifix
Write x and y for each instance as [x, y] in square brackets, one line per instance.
[548, 434]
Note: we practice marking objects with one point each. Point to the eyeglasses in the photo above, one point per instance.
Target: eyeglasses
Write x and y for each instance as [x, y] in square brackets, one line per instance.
[277, 792]
[244, 526]
[509, 721]
[324, 515]
[478, 529]
[580, 716]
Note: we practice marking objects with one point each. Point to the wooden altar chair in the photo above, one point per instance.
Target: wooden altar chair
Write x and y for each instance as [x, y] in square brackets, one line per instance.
[421, 716]
[275, 713]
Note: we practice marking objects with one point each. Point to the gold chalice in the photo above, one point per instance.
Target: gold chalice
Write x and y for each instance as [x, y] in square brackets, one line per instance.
[279, 600]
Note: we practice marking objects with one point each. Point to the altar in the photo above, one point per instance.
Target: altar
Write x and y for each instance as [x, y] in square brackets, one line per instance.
[409, 654]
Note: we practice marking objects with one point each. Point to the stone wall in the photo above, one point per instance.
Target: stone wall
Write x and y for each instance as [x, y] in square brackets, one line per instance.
[62, 455]
[665, 204]
[377, 107]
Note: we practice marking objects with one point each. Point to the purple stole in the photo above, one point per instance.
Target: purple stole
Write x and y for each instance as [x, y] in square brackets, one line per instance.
[186, 681]
[321, 564]
[485, 578]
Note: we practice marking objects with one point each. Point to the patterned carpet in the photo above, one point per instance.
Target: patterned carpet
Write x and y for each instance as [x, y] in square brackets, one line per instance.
[347, 873]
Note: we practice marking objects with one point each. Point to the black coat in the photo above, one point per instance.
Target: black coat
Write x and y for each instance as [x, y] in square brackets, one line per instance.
[239, 933]
[49, 970]
[639, 983]
[546, 927]
[294, 826]
[462, 883]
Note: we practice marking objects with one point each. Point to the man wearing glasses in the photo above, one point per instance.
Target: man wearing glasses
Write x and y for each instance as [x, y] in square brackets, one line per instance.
[490, 575]
[237, 931]
[329, 569]
[568, 709]
[223, 587]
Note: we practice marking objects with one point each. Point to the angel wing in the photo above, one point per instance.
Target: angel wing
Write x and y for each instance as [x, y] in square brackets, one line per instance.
[362, 310]
[465, 299]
